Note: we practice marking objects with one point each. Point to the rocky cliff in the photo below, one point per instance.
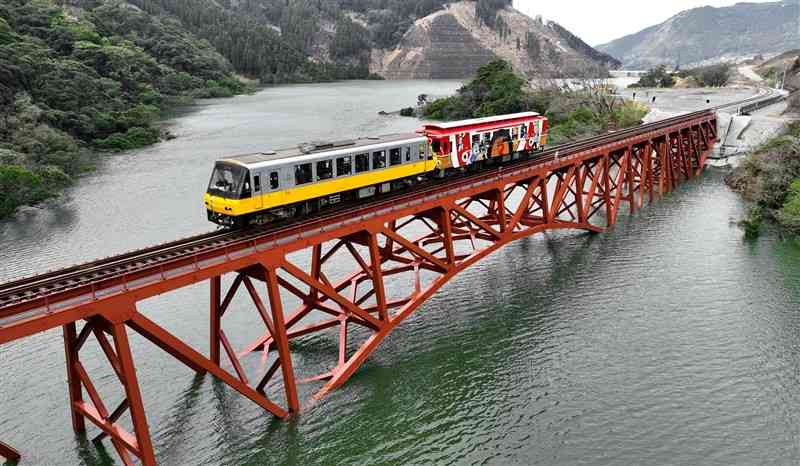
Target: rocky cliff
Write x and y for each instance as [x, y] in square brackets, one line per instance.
[712, 34]
[453, 43]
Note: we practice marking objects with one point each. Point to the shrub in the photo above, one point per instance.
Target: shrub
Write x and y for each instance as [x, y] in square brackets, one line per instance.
[580, 123]
[709, 76]
[752, 223]
[770, 177]
[139, 115]
[449, 108]
[629, 114]
[6, 34]
[714, 76]
[407, 112]
[131, 139]
[789, 214]
[143, 136]
[213, 91]
[656, 77]
[496, 89]
[10, 157]
[18, 186]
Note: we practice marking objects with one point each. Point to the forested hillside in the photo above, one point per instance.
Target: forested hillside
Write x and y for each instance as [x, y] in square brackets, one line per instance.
[305, 40]
[72, 79]
[81, 75]
[270, 44]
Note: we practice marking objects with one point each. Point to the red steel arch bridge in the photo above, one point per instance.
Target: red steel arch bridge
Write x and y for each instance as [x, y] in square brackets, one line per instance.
[401, 249]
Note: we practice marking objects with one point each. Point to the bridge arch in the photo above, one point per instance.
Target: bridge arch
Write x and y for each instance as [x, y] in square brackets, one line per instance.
[368, 266]
[397, 262]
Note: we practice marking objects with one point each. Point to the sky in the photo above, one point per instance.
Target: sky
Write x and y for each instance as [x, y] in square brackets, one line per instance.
[601, 21]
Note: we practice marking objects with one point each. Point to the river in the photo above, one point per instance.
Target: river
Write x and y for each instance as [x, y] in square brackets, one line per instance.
[669, 340]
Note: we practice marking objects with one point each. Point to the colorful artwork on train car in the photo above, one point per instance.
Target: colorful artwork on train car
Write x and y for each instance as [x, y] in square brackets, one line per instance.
[463, 143]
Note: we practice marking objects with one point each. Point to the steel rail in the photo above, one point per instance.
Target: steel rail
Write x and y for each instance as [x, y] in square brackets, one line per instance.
[137, 256]
[40, 286]
[89, 267]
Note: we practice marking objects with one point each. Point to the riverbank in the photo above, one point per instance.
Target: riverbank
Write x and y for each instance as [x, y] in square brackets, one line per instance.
[78, 82]
[769, 178]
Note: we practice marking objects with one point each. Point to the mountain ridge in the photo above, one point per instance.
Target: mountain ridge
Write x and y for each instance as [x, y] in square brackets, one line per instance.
[708, 34]
[453, 43]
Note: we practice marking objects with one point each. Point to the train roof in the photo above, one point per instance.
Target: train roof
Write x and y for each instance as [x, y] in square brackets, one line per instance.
[481, 121]
[320, 150]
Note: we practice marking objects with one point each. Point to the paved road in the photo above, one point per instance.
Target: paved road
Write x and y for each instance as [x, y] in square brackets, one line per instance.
[671, 102]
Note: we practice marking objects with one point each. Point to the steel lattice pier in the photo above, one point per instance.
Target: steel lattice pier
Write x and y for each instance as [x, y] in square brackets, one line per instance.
[401, 253]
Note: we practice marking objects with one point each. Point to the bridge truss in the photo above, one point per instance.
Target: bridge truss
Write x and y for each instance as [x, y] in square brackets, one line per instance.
[398, 252]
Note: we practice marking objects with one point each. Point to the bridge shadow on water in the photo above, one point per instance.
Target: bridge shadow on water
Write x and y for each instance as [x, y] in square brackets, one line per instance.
[430, 346]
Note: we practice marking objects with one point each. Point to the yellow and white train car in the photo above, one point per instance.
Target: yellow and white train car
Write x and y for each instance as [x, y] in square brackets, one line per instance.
[264, 187]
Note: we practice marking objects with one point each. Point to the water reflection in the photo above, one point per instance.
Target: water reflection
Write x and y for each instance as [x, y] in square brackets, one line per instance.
[667, 340]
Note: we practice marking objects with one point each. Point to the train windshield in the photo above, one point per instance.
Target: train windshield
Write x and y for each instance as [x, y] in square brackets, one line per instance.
[229, 181]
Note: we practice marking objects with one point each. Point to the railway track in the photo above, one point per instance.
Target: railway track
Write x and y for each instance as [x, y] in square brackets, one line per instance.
[40, 286]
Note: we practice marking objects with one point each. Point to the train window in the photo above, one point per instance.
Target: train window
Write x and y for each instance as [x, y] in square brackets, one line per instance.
[227, 180]
[273, 180]
[435, 146]
[362, 163]
[247, 192]
[407, 150]
[379, 160]
[394, 156]
[344, 166]
[257, 183]
[302, 174]
[514, 133]
[524, 132]
[422, 147]
[325, 170]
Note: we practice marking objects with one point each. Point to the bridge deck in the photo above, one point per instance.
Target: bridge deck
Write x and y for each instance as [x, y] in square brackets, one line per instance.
[574, 186]
[38, 304]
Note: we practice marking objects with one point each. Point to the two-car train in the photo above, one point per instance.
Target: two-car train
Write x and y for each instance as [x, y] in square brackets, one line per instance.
[269, 186]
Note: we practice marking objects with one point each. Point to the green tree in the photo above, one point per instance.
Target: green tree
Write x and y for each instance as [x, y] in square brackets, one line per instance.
[486, 11]
[19, 186]
[715, 76]
[533, 46]
[656, 77]
[496, 89]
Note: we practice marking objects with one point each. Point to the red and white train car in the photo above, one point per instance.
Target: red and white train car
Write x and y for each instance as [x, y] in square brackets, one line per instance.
[463, 143]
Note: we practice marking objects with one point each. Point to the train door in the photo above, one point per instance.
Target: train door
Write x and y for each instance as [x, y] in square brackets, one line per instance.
[501, 144]
[543, 128]
[258, 189]
[440, 146]
[475, 143]
[535, 134]
[452, 149]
